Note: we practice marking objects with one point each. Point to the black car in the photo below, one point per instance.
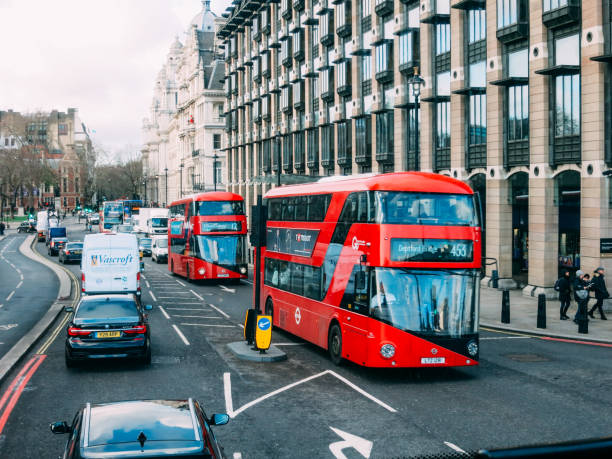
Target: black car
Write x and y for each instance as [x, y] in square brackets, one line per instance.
[57, 244]
[108, 326]
[26, 227]
[148, 428]
[145, 245]
[71, 252]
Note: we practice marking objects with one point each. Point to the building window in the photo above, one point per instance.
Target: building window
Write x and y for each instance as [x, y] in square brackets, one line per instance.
[507, 13]
[315, 41]
[407, 48]
[384, 57]
[327, 148]
[384, 137]
[566, 100]
[477, 127]
[345, 143]
[554, 4]
[442, 138]
[517, 109]
[313, 150]
[267, 164]
[443, 39]
[299, 145]
[216, 141]
[477, 25]
[363, 143]
[366, 8]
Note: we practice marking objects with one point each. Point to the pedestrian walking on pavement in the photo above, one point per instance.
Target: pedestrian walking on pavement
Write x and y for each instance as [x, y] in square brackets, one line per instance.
[601, 292]
[2, 228]
[563, 286]
[581, 295]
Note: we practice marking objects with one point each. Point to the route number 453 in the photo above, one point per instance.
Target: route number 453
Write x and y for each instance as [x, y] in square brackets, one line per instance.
[459, 250]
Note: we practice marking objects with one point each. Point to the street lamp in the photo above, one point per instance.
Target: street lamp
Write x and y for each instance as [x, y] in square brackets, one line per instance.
[278, 157]
[144, 182]
[181, 177]
[416, 81]
[215, 157]
[166, 201]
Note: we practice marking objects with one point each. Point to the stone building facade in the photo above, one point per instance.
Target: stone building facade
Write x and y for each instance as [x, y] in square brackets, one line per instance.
[515, 100]
[182, 136]
[62, 141]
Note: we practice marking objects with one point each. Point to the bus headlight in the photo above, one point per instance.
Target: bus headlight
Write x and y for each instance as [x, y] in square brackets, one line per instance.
[387, 350]
[243, 270]
[201, 271]
[472, 348]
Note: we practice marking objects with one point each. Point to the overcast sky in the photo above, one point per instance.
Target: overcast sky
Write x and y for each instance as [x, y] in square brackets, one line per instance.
[100, 56]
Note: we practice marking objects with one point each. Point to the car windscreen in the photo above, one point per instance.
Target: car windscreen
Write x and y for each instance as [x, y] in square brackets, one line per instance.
[74, 245]
[162, 243]
[159, 420]
[91, 311]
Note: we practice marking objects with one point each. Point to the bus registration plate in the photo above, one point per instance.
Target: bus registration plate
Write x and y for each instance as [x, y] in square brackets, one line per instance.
[433, 359]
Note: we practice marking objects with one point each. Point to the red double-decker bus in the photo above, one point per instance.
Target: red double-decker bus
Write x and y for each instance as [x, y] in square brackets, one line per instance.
[382, 270]
[207, 237]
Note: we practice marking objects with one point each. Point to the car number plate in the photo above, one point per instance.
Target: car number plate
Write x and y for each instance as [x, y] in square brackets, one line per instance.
[433, 359]
[77, 252]
[108, 334]
[223, 275]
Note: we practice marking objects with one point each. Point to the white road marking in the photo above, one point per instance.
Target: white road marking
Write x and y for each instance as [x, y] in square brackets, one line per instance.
[21, 276]
[1, 305]
[180, 333]
[19, 270]
[229, 290]
[227, 389]
[247, 281]
[8, 326]
[361, 445]
[209, 325]
[219, 311]
[148, 285]
[240, 325]
[197, 296]
[164, 312]
[454, 447]
[362, 392]
[153, 296]
[19, 285]
[180, 283]
[175, 297]
[185, 309]
[196, 317]
[237, 455]
[10, 295]
[505, 337]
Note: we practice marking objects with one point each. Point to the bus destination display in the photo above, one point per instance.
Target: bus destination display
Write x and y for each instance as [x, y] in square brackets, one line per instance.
[456, 250]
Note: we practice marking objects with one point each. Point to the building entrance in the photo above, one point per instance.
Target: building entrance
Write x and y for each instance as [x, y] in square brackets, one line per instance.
[519, 192]
[568, 200]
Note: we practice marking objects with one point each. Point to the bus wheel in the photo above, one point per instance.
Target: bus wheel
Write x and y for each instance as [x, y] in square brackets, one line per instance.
[334, 344]
[172, 268]
[270, 308]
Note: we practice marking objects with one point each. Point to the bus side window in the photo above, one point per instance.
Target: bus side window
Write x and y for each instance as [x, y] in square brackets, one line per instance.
[301, 208]
[312, 282]
[297, 279]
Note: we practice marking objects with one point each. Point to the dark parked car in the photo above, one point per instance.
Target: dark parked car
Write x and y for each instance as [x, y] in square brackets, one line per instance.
[149, 428]
[108, 326]
[27, 227]
[71, 252]
[57, 244]
[145, 245]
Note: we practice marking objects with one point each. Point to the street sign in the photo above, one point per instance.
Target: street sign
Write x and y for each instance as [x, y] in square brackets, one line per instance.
[605, 246]
[263, 332]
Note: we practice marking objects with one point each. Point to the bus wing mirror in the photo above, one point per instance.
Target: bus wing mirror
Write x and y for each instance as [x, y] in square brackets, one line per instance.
[360, 280]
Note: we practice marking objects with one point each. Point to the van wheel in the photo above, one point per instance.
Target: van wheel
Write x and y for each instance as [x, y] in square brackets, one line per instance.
[334, 344]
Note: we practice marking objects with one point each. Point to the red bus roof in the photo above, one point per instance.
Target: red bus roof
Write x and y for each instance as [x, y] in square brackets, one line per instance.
[209, 196]
[395, 181]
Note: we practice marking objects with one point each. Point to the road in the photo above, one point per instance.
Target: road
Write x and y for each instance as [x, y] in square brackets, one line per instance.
[27, 289]
[526, 389]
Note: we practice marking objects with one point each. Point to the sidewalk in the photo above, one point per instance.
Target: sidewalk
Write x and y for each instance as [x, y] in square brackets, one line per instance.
[524, 313]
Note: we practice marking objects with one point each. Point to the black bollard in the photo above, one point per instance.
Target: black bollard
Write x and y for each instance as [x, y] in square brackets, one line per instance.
[541, 311]
[505, 314]
[495, 278]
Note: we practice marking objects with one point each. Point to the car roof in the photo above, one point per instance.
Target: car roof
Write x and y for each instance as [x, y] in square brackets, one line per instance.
[123, 422]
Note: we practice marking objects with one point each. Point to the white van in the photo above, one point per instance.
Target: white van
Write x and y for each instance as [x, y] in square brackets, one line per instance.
[159, 251]
[110, 264]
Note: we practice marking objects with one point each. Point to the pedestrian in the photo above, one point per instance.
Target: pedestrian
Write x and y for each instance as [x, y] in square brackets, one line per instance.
[563, 286]
[601, 292]
[581, 295]
[2, 228]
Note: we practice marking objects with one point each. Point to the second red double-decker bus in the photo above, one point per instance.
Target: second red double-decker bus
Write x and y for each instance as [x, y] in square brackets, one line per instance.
[207, 236]
[380, 270]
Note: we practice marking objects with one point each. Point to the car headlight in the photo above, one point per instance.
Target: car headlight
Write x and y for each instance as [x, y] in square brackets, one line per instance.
[472, 348]
[243, 270]
[201, 271]
[387, 351]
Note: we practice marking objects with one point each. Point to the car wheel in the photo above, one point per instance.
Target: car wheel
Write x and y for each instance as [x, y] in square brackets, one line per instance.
[70, 363]
[146, 360]
[334, 344]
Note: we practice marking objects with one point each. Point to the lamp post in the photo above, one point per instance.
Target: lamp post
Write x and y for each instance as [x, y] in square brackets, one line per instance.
[278, 158]
[181, 178]
[144, 183]
[215, 157]
[166, 201]
[416, 81]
